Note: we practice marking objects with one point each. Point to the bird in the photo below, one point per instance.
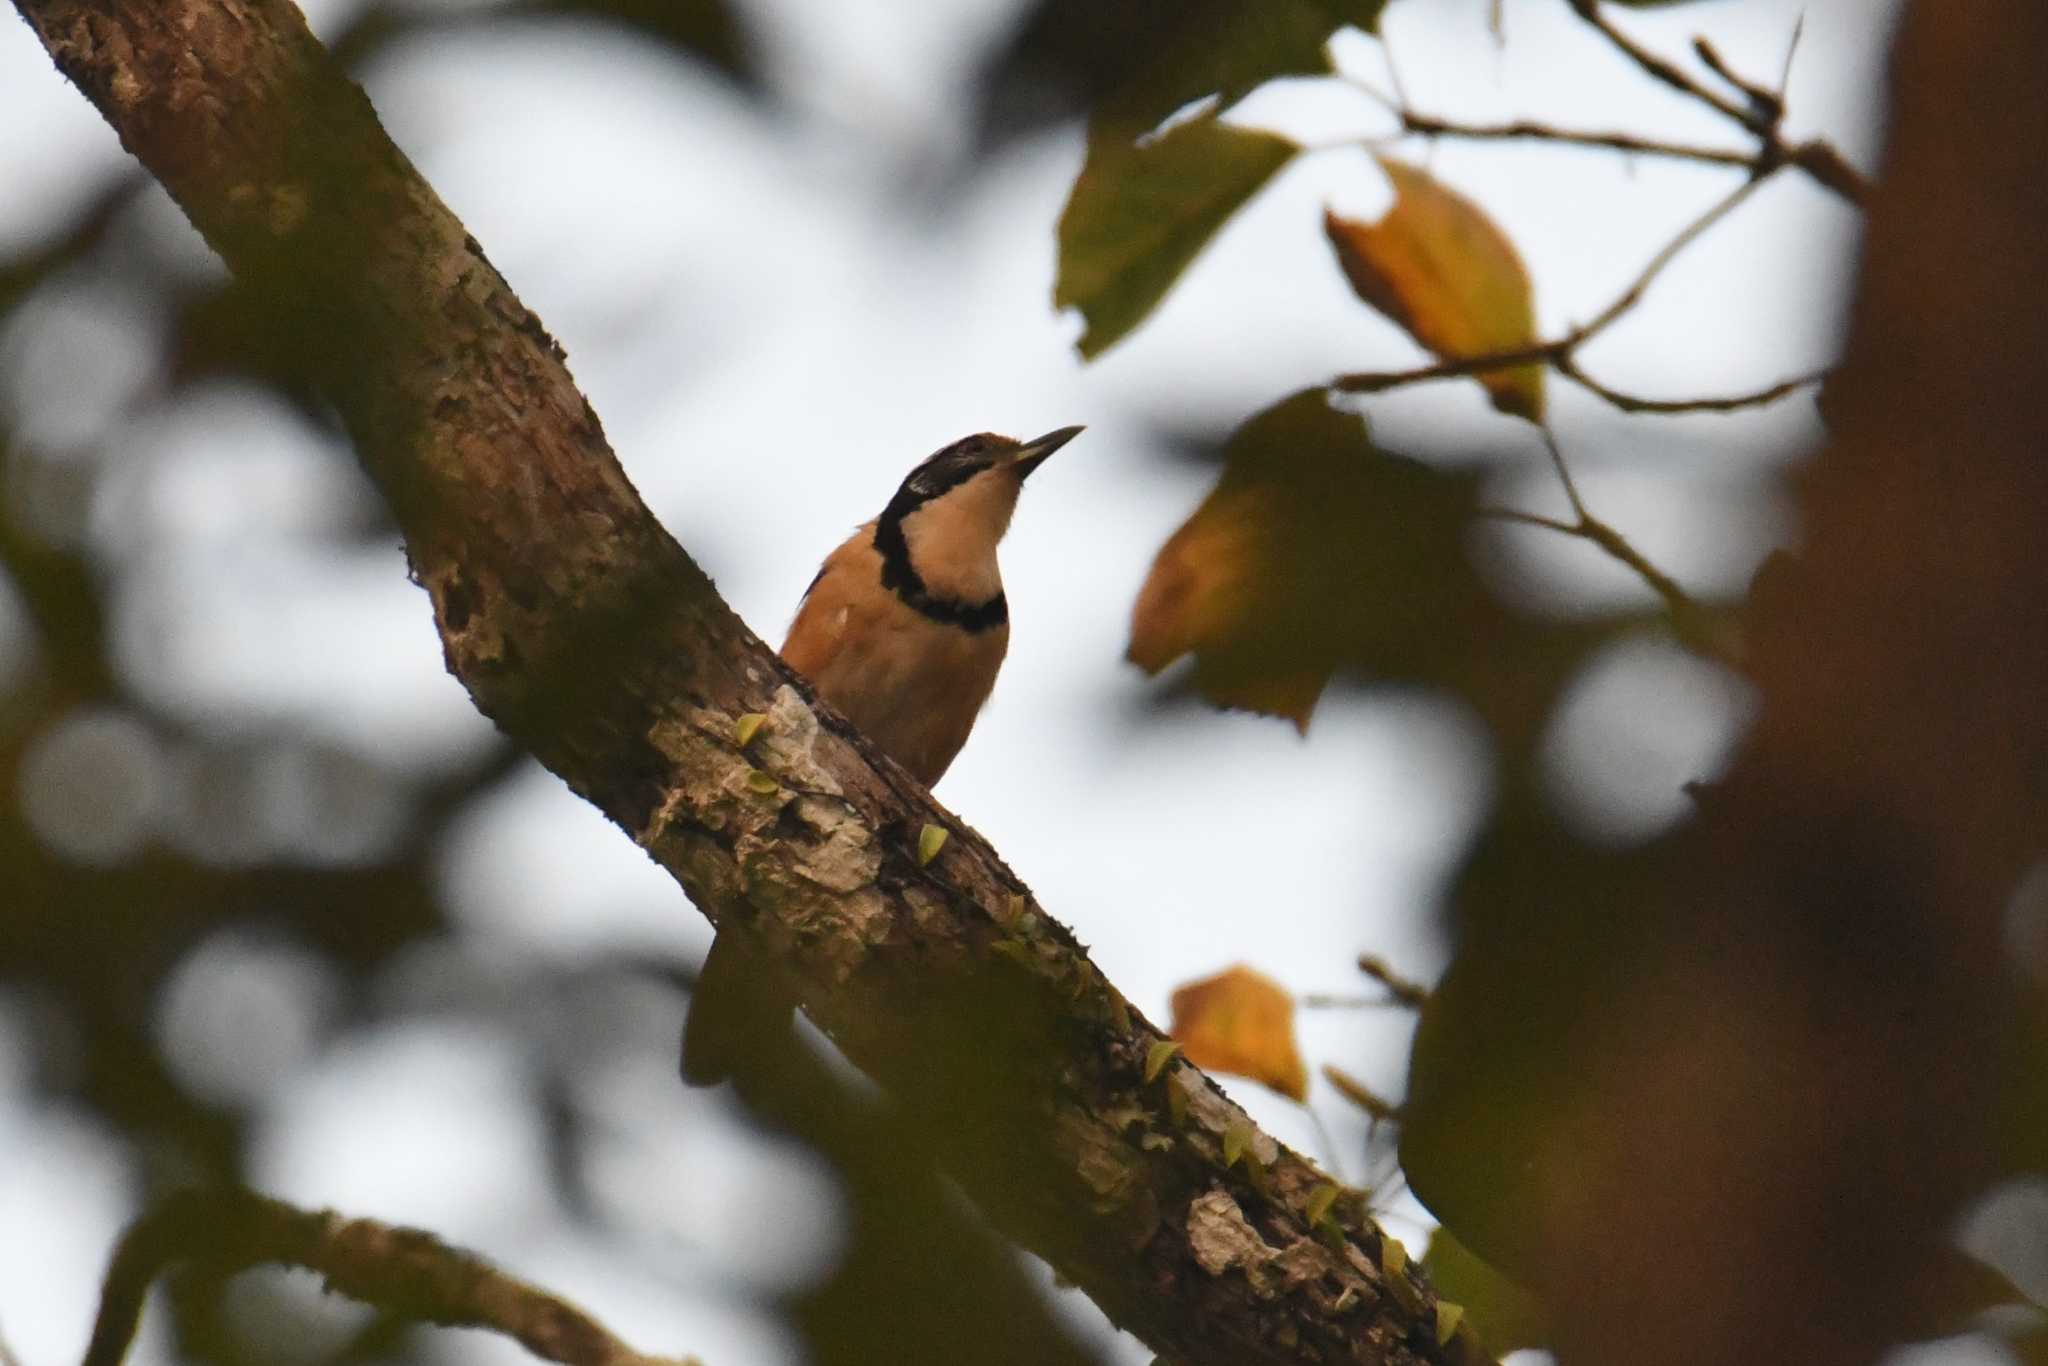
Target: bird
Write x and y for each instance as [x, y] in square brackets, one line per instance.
[902, 631]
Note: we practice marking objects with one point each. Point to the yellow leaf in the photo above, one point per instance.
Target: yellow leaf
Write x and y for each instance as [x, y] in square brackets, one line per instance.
[1242, 1022]
[930, 840]
[747, 727]
[1157, 1056]
[763, 783]
[1319, 1201]
[1447, 1317]
[1438, 266]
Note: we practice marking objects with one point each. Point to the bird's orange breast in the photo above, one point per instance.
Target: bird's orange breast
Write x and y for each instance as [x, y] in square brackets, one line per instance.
[911, 684]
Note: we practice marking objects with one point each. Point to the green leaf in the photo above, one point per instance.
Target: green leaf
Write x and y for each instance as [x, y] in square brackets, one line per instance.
[1506, 1317]
[1138, 214]
[1319, 1201]
[1237, 1136]
[1157, 1056]
[747, 727]
[1448, 1317]
[1231, 51]
[763, 783]
[1393, 1256]
[930, 840]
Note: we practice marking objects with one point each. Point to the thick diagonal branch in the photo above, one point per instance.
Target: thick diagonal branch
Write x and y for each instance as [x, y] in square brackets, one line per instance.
[584, 630]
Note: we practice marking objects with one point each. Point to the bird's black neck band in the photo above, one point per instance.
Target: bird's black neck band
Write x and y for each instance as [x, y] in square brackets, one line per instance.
[900, 577]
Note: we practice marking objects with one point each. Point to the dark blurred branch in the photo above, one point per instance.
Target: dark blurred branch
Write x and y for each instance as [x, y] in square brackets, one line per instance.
[1562, 353]
[1762, 116]
[402, 1271]
[582, 628]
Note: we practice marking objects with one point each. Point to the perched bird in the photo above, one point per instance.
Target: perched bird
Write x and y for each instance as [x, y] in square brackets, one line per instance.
[903, 631]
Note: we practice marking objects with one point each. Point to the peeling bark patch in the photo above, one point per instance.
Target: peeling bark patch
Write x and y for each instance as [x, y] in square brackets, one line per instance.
[1221, 1238]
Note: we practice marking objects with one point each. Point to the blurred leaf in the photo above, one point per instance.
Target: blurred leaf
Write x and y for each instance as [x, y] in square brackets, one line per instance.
[1957, 1290]
[1506, 1317]
[705, 29]
[1241, 1022]
[1438, 266]
[1316, 550]
[708, 31]
[1496, 1124]
[1134, 63]
[1139, 214]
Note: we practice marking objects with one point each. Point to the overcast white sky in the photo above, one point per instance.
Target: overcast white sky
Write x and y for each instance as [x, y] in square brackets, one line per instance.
[773, 331]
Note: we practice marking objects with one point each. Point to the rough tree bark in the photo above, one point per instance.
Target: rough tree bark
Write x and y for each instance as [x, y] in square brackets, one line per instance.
[586, 632]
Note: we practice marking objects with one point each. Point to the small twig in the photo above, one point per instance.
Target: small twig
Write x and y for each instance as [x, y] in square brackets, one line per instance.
[1761, 118]
[401, 1271]
[1530, 130]
[1564, 477]
[1768, 104]
[1687, 235]
[1687, 617]
[1662, 70]
[1376, 1107]
[1791, 51]
[1405, 990]
[1720, 403]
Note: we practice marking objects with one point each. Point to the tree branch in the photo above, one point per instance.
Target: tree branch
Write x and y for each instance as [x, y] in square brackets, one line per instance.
[582, 628]
[402, 1271]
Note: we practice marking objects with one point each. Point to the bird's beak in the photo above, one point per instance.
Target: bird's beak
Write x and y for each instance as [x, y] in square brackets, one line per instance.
[1031, 454]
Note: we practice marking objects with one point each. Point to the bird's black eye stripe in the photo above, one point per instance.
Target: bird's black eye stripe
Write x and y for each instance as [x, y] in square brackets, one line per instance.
[946, 469]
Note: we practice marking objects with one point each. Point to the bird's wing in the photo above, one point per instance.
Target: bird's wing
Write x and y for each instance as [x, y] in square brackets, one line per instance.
[851, 572]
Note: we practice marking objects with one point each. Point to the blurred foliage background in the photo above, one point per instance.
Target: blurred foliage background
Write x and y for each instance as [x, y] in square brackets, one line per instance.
[276, 907]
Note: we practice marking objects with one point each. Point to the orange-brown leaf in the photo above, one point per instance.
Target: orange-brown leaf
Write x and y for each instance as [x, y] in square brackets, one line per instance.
[1438, 266]
[1315, 551]
[1242, 1022]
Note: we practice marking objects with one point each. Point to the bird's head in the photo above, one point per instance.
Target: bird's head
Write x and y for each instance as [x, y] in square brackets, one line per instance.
[975, 481]
[950, 512]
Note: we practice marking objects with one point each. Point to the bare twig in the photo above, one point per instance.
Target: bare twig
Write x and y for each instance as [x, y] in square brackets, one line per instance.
[1406, 990]
[1791, 51]
[1688, 619]
[1659, 69]
[1687, 235]
[402, 1271]
[1530, 130]
[1762, 117]
[1377, 1107]
[1766, 103]
[1718, 403]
